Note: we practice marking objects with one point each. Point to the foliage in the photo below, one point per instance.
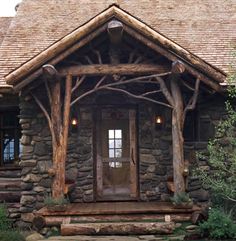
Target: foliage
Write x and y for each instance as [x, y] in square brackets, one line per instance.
[221, 157]
[7, 233]
[4, 221]
[11, 235]
[49, 201]
[180, 198]
[219, 225]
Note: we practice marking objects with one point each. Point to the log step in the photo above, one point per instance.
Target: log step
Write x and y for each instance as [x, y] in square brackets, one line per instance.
[10, 197]
[117, 228]
[10, 184]
[10, 173]
[58, 220]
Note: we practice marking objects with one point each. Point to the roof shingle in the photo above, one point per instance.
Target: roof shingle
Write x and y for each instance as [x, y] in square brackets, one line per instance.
[204, 27]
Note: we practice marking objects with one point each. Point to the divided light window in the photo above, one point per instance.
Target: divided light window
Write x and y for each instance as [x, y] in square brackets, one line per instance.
[9, 138]
[115, 146]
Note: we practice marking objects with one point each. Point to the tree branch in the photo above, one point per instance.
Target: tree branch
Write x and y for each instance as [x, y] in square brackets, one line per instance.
[119, 83]
[187, 85]
[165, 91]
[151, 92]
[98, 56]
[100, 81]
[39, 103]
[193, 100]
[78, 83]
[88, 59]
[136, 96]
[48, 92]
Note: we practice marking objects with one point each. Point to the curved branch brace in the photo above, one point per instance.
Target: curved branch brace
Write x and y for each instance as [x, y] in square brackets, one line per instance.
[193, 100]
[98, 86]
[39, 103]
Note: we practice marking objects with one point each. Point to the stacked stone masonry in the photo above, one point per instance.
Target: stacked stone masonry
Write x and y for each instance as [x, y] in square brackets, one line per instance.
[155, 156]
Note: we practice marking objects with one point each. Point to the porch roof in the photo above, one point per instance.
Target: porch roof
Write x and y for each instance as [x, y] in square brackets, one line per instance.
[203, 28]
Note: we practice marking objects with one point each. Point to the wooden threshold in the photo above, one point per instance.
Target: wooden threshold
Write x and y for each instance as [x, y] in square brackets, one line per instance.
[117, 208]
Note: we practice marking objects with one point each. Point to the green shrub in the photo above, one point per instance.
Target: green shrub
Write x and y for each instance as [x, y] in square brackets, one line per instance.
[7, 233]
[180, 198]
[11, 235]
[218, 226]
[50, 201]
[4, 221]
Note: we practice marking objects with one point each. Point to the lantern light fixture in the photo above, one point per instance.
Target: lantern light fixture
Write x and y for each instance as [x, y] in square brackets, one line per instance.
[74, 121]
[158, 122]
[159, 119]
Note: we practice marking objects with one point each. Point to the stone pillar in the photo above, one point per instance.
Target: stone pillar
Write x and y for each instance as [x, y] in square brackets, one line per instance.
[35, 159]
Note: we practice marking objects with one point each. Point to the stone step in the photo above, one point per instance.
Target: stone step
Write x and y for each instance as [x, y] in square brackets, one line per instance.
[117, 228]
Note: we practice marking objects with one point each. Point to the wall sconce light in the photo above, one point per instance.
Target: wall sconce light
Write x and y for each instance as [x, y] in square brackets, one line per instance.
[185, 172]
[74, 121]
[74, 124]
[158, 122]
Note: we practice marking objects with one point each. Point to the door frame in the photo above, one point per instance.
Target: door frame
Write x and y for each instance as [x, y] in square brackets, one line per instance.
[133, 124]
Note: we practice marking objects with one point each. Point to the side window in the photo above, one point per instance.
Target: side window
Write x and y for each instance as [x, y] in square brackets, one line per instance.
[198, 128]
[10, 138]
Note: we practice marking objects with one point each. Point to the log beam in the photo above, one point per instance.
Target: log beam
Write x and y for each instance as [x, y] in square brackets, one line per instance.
[117, 228]
[122, 69]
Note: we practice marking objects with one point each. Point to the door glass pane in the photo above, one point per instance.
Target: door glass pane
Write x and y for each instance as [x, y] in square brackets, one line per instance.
[118, 134]
[118, 153]
[118, 143]
[111, 134]
[111, 153]
[111, 144]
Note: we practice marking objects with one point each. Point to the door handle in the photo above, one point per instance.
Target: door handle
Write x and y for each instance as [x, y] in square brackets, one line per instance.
[132, 156]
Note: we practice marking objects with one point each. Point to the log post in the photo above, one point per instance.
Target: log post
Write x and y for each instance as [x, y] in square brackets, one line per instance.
[177, 136]
[61, 127]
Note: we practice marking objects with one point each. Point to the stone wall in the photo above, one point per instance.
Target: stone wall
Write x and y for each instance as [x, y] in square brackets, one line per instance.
[155, 148]
[80, 164]
[36, 159]
[155, 155]
[209, 114]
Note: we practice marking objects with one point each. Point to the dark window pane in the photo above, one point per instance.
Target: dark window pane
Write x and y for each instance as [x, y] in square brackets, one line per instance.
[206, 129]
[10, 137]
[189, 127]
[8, 146]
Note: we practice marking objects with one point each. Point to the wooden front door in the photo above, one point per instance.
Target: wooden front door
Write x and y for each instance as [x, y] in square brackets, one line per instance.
[116, 164]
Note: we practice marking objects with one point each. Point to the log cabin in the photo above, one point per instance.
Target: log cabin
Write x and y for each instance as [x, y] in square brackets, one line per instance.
[107, 103]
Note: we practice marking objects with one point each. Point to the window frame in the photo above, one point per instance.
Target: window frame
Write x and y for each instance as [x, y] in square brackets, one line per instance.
[15, 128]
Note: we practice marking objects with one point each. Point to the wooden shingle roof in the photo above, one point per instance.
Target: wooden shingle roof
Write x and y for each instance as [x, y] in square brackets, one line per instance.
[4, 25]
[205, 27]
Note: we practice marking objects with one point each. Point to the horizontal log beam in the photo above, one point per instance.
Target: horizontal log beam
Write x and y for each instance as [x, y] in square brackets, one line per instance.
[126, 228]
[58, 220]
[122, 69]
